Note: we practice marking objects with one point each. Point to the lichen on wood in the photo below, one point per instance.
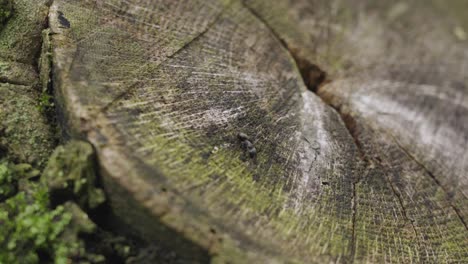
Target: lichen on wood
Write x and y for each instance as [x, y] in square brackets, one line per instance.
[402, 94]
[163, 90]
[166, 143]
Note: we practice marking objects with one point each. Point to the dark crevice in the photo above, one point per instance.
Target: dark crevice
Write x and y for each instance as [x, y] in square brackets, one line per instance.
[314, 78]
[354, 213]
[47, 102]
[13, 82]
[432, 176]
[312, 75]
[403, 208]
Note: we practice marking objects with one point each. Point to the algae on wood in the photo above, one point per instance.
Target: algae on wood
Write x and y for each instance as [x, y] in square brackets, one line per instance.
[165, 127]
[397, 75]
[163, 89]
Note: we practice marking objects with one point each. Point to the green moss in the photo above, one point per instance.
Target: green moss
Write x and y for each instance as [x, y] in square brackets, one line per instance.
[6, 10]
[26, 133]
[29, 226]
[31, 231]
[7, 187]
[20, 37]
[46, 103]
[70, 170]
[10, 174]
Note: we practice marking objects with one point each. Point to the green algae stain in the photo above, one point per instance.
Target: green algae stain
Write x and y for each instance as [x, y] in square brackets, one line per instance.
[258, 206]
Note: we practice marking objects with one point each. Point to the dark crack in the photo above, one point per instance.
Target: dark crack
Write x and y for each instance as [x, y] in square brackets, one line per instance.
[403, 208]
[432, 176]
[312, 75]
[314, 78]
[353, 232]
[13, 82]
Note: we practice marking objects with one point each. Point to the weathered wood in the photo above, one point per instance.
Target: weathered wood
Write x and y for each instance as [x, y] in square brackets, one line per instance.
[165, 126]
[403, 94]
[162, 90]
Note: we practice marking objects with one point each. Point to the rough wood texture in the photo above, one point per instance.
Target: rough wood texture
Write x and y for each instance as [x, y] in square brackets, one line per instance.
[397, 74]
[163, 88]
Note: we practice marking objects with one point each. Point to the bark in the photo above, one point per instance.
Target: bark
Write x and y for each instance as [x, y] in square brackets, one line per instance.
[209, 135]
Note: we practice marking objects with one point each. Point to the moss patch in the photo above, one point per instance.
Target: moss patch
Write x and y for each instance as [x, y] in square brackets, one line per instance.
[7, 187]
[29, 227]
[24, 131]
[18, 73]
[6, 10]
[32, 230]
[20, 37]
[70, 172]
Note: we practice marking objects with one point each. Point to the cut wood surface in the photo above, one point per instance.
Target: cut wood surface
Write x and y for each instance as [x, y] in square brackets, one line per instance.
[209, 139]
[397, 74]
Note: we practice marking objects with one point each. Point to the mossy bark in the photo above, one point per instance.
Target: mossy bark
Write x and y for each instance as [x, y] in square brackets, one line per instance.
[25, 134]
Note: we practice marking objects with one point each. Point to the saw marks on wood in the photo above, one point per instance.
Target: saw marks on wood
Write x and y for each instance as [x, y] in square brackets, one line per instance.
[118, 44]
[163, 90]
[163, 102]
[407, 127]
[397, 74]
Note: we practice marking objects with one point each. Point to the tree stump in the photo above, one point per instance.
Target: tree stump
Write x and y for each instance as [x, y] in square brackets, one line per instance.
[210, 138]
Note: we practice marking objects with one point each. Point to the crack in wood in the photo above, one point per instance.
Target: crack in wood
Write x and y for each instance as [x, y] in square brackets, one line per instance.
[314, 78]
[432, 176]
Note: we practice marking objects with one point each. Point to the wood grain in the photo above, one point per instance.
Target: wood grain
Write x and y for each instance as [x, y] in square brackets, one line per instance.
[163, 88]
[402, 93]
